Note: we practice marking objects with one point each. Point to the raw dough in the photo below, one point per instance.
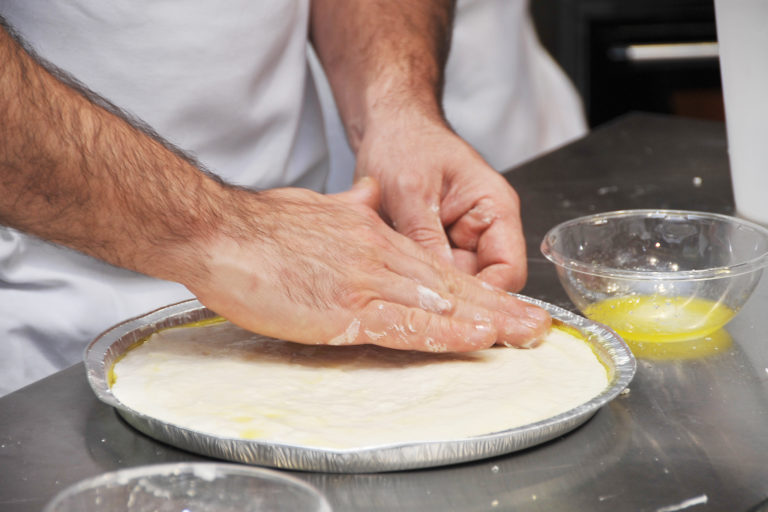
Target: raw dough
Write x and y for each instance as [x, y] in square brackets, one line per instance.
[223, 381]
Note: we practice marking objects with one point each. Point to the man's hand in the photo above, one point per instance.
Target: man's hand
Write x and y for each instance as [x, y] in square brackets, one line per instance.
[439, 192]
[326, 269]
[386, 76]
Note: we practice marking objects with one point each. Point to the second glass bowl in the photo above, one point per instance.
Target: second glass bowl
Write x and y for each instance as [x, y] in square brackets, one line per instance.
[191, 487]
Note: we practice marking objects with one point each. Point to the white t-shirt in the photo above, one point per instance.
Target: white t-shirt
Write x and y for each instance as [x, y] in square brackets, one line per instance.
[226, 81]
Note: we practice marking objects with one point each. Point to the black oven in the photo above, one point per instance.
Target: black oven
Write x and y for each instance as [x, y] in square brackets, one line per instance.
[625, 55]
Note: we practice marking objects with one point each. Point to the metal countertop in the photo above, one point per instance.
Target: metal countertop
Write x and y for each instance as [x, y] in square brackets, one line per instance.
[691, 434]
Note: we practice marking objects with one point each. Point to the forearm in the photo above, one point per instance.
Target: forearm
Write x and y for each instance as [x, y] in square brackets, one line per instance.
[74, 173]
[382, 57]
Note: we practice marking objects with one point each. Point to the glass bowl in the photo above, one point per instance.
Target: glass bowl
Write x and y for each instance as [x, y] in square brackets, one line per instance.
[658, 275]
[190, 487]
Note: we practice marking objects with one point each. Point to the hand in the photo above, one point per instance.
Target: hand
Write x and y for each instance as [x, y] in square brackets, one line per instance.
[439, 192]
[316, 269]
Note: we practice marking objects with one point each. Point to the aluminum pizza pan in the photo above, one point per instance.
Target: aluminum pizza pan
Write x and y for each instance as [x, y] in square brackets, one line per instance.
[106, 349]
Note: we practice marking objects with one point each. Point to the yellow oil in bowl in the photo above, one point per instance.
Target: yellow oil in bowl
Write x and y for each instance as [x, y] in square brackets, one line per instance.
[659, 319]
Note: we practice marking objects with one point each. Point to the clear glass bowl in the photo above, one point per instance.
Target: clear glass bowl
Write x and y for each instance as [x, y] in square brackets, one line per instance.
[658, 275]
[190, 487]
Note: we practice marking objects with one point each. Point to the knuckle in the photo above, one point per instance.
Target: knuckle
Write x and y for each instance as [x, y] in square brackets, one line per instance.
[410, 183]
[431, 336]
[424, 235]
[354, 298]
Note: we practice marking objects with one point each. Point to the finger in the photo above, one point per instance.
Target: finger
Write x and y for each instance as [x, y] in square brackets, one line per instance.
[466, 261]
[492, 230]
[397, 326]
[413, 280]
[505, 276]
[365, 191]
[501, 256]
[467, 230]
[516, 322]
[420, 221]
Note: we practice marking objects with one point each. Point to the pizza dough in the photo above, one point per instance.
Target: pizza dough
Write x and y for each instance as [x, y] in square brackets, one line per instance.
[223, 381]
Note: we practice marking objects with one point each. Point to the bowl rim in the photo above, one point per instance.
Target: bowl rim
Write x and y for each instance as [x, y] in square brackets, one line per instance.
[200, 470]
[736, 269]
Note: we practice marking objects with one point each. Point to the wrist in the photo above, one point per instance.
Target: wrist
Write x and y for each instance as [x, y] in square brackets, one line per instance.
[400, 98]
[391, 117]
[180, 236]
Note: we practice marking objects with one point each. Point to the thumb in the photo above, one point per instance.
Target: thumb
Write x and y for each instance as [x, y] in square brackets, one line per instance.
[365, 191]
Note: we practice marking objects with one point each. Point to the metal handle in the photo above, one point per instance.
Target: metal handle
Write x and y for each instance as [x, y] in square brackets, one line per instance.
[664, 52]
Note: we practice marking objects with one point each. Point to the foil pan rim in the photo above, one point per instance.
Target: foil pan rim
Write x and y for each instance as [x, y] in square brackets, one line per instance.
[107, 347]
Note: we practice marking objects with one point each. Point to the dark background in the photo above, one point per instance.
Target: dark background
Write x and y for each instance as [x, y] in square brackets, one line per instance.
[586, 38]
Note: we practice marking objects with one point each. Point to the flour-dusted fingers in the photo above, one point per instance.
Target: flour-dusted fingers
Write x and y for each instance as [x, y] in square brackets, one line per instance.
[490, 227]
[518, 325]
[467, 299]
[501, 256]
[517, 322]
[401, 327]
[444, 289]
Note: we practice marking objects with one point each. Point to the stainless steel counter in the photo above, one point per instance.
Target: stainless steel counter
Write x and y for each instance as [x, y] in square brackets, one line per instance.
[691, 434]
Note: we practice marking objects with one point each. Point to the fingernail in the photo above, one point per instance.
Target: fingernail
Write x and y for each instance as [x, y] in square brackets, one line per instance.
[536, 314]
[530, 319]
[483, 327]
[484, 335]
[533, 342]
[488, 286]
[541, 322]
[526, 323]
[534, 338]
[533, 323]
